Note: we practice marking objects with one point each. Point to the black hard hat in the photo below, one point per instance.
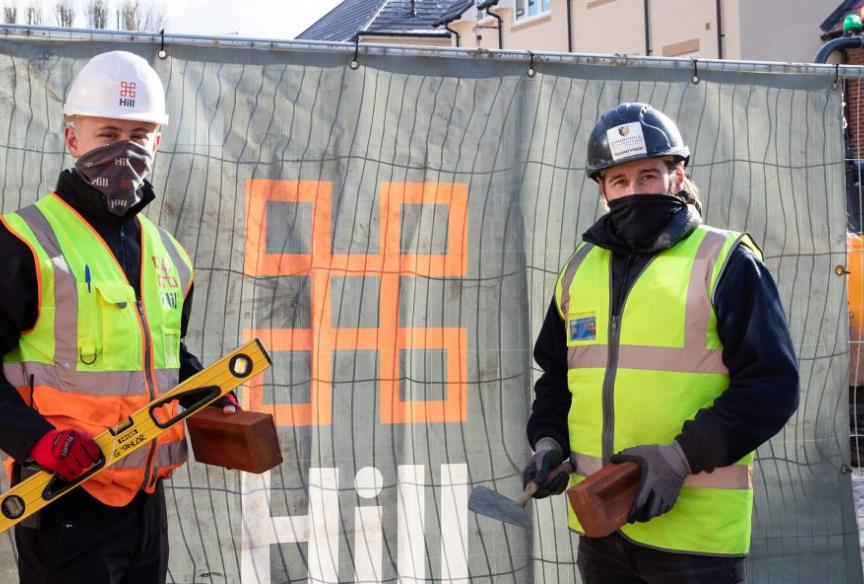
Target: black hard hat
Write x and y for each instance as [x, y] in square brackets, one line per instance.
[633, 131]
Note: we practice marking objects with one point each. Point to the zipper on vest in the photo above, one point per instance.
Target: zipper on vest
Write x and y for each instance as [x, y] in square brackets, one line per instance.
[616, 309]
[608, 435]
[148, 378]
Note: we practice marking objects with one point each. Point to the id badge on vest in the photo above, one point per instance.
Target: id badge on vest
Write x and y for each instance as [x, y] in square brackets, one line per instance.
[581, 328]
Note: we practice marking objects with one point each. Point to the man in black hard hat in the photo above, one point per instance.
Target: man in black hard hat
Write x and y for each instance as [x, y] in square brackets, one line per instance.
[666, 345]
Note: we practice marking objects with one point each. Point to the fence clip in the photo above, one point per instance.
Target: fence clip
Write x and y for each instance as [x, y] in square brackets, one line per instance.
[163, 54]
[355, 62]
[531, 71]
[836, 83]
[695, 78]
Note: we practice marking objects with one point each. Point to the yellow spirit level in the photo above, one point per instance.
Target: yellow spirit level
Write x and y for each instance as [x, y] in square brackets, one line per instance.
[139, 429]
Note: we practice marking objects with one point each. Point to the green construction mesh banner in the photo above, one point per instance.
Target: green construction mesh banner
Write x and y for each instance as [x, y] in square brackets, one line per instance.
[393, 234]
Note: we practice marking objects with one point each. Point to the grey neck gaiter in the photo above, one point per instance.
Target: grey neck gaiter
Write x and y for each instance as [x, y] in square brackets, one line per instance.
[117, 170]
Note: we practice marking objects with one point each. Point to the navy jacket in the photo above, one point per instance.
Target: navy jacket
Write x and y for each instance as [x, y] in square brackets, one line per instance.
[757, 350]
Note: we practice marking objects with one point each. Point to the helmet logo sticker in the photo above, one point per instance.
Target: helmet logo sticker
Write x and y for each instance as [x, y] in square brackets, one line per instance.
[626, 141]
[127, 93]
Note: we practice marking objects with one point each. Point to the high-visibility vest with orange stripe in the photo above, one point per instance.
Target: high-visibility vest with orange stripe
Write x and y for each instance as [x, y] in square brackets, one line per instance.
[96, 353]
[635, 378]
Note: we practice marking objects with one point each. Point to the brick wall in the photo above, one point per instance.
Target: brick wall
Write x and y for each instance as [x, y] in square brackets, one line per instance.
[855, 104]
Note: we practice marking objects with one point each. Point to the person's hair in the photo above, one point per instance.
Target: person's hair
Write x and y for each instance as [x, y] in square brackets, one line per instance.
[691, 192]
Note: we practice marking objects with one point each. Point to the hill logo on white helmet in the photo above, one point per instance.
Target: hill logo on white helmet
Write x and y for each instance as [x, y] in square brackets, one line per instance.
[127, 94]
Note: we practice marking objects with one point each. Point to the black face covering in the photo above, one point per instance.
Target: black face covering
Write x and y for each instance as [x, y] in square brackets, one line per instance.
[639, 219]
[117, 170]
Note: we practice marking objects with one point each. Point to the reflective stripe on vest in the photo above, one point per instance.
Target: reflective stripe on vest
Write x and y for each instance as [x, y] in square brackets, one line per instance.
[169, 454]
[96, 352]
[635, 378]
[736, 476]
[95, 383]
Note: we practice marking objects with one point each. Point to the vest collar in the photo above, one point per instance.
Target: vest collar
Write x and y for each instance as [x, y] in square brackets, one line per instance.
[89, 201]
[682, 224]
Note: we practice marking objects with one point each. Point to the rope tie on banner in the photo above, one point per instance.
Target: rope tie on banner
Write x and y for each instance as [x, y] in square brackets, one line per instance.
[836, 83]
[695, 78]
[355, 62]
[162, 52]
[531, 71]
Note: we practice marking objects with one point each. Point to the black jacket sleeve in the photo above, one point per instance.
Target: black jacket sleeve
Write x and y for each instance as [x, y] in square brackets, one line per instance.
[20, 425]
[551, 395]
[763, 370]
[189, 363]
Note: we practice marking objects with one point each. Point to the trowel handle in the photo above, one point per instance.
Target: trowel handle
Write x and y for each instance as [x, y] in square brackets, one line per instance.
[527, 494]
[532, 487]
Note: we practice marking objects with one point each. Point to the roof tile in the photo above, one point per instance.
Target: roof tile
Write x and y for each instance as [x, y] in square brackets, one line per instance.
[380, 17]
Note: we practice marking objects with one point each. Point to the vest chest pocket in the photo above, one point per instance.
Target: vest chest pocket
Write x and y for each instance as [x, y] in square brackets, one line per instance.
[117, 324]
[171, 347]
[89, 333]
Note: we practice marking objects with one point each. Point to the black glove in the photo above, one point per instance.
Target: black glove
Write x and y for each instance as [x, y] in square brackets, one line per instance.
[664, 468]
[546, 457]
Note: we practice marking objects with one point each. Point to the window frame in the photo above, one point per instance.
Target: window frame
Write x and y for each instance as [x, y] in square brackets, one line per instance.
[526, 16]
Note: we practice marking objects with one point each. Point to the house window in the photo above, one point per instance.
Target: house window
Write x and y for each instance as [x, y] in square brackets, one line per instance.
[528, 8]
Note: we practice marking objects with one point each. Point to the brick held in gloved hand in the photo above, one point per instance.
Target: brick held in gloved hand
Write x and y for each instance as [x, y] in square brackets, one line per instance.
[602, 502]
[664, 468]
[244, 440]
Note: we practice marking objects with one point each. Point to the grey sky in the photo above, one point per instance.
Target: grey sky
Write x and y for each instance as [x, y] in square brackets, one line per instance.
[269, 19]
[272, 19]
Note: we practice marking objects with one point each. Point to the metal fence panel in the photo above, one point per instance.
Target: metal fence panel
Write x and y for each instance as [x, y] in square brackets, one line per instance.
[393, 233]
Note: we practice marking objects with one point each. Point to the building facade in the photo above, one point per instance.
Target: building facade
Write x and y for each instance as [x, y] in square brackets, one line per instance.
[761, 30]
[758, 30]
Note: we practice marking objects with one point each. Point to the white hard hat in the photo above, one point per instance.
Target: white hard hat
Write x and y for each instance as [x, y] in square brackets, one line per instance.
[118, 85]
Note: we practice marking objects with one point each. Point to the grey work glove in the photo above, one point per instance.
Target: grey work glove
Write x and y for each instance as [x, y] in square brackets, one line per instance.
[664, 468]
[548, 454]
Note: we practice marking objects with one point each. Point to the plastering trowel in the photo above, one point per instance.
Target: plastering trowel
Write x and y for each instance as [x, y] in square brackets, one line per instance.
[485, 501]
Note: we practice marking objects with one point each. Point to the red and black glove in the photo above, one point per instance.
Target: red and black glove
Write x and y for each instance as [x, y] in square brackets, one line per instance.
[66, 453]
[228, 403]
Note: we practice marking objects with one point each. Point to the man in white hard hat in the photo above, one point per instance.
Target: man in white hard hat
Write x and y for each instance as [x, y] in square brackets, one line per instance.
[94, 304]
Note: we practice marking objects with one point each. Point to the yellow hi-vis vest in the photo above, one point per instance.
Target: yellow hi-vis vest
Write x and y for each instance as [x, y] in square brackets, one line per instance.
[635, 378]
[96, 353]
